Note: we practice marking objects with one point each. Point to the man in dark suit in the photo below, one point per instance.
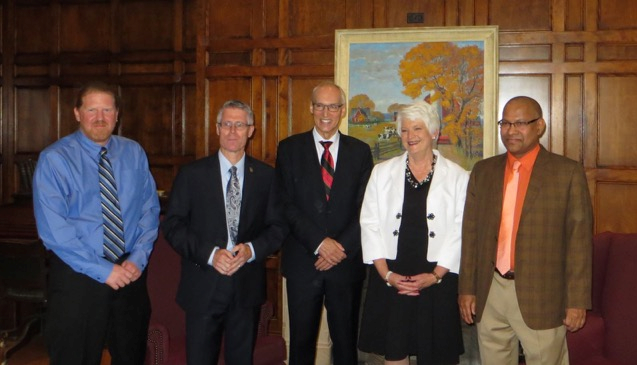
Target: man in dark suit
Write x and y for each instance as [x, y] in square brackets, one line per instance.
[222, 273]
[528, 277]
[321, 258]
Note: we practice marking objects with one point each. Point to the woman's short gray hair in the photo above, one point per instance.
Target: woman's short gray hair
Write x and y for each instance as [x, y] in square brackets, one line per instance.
[420, 111]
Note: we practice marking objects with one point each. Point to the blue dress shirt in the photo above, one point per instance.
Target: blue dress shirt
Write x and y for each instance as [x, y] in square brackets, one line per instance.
[67, 204]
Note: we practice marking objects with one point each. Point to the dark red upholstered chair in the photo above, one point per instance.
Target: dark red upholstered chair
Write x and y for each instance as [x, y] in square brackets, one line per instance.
[167, 334]
[608, 337]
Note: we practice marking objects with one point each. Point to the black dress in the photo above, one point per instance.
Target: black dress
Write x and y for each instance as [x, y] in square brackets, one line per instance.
[427, 325]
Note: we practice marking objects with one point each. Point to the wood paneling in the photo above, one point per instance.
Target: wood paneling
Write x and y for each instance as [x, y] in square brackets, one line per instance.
[614, 14]
[83, 27]
[613, 201]
[32, 132]
[617, 96]
[146, 47]
[521, 15]
[574, 116]
[146, 25]
[34, 36]
[395, 12]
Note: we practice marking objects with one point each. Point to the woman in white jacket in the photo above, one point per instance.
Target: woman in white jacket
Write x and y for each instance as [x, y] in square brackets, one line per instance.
[411, 231]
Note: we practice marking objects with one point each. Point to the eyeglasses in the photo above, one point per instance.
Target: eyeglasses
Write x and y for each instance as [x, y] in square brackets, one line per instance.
[518, 125]
[240, 126]
[330, 107]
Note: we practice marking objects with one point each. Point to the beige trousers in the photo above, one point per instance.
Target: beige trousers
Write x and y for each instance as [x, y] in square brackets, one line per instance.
[502, 326]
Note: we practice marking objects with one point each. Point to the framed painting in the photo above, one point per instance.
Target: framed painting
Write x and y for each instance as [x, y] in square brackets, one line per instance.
[453, 68]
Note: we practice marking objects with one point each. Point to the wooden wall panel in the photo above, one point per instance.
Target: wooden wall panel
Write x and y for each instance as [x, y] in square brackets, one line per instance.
[396, 13]
[231, 19]
[67, 122]
[615, 14]
[147, 117]
[311, 18]
[574, 15]
[33, 120]
[614, 201]
[185, 127]
[534, 52]
[574, 117]
[83, 27]
[32, 37]
[188, 25]
[156, 19]
[617, 96]
[269, 117]
[521, 15]
[145, 47]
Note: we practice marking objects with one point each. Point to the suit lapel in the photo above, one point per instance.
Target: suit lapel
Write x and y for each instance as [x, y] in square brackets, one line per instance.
[312, 166]
[216, 187]
[497, 180]
[538, 176]
[247, 190]
[342, 161]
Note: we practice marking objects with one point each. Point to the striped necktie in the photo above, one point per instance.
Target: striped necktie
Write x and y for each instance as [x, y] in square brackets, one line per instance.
[114, 246]
[327, 168]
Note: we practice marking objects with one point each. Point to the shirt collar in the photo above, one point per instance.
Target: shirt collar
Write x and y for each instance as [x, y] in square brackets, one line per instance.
[318, 138]
[91, 146]
[225, 165]
[527, 161]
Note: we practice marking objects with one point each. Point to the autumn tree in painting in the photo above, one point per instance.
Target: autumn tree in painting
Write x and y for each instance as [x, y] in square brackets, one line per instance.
[453, 76]
[362, 101]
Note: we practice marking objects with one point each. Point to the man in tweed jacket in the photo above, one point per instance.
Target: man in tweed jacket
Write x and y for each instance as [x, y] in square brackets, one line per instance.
[547, 290]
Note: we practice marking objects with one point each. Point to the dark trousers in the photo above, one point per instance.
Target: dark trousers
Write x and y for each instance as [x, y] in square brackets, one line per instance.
[236, 325]
[83, 315]
[305, 303]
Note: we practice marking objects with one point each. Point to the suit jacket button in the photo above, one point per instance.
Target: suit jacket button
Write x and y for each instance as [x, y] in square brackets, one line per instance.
[395, 232]
[431, 216]
[398, 215]
[432, 234]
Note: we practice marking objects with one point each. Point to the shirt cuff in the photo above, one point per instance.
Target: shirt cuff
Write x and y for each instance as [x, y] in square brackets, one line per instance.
[254, 256]
[212, 256]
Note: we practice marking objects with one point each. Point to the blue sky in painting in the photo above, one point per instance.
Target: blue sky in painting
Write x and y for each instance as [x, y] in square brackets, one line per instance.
[373, 70]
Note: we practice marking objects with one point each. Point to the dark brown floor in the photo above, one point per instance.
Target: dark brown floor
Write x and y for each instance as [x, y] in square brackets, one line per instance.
[30, 353]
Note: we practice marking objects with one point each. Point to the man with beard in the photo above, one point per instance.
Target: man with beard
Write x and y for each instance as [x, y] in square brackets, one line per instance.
[97, 212]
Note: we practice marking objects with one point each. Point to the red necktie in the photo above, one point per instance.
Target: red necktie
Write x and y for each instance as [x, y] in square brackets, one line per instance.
[506, 241]
[327, 168]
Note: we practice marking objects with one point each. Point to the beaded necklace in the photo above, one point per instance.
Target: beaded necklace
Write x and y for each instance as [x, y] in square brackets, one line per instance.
[412, 180]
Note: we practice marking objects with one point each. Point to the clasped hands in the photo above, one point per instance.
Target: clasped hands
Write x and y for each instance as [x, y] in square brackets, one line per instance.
[330, 253]
[122, 275]
[228, 262]
[411, 285]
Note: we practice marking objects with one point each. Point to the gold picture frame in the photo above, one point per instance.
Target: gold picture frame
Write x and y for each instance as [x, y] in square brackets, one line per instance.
[382, 69]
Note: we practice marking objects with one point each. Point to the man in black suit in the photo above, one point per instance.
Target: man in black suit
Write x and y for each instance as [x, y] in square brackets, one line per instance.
[222, 272]
[321, 258]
